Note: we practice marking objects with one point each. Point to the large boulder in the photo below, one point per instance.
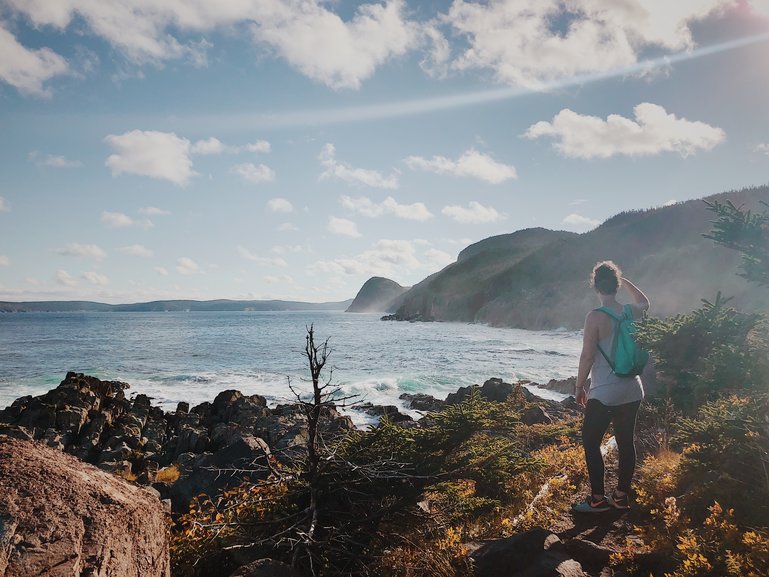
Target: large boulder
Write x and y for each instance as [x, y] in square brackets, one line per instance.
[61, 517]
[535, 553]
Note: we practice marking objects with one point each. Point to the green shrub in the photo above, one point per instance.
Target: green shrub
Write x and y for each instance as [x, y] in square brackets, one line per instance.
[711, 351]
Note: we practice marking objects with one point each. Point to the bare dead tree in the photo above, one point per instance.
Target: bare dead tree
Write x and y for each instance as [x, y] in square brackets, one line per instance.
[341, 485]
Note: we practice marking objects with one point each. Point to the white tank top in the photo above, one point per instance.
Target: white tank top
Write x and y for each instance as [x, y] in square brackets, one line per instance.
[607, 387]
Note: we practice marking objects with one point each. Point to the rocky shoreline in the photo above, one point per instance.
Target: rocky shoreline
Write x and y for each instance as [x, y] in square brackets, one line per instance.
[176, 455]
[95, 421]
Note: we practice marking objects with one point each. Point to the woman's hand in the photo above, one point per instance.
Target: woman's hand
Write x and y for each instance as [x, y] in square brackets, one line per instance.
[581, 396]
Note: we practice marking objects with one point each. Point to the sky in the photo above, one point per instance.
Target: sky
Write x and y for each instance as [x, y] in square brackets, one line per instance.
[292, 149]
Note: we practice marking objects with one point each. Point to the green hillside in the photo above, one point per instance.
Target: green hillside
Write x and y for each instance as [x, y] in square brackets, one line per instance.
[376, 295]
[539, 287]
[458, 291]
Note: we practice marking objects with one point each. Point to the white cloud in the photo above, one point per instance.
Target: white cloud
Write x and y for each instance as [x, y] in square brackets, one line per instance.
[4, 260]
[65, 279]
[342, 171]
[438, 56]
[438, 258]
[653, 131]
[325, 48]
[161, 155]
[306, 33]
[153, 211]
[471, 163]
[116, 219]
[186, 265]
[579, 223]
[366, 207]
[84, 250]
[26, 69]
[763, 148]
[475, 213]
[287, 249]
[61, 162]
[260, 260]
[213, 145]
[386, 258]
[96, 278]
[759, 7]
[4, 206]
[531, 44]
[342, 227]
[160, 270]
[288, 227]
[670, 202]
[254, 173]
[280, 205]
[137, 250]
[259, 147]
[279, 279]
[208, 146]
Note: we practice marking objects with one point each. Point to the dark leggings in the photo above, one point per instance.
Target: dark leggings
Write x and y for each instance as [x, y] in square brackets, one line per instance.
[597, 419]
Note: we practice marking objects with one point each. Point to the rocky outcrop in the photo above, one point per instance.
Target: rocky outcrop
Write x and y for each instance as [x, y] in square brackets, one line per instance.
[389, 412]
[493, 389]
[213, 445]
[377, 294]
[563, 386]
[62, 517]
[422, 402]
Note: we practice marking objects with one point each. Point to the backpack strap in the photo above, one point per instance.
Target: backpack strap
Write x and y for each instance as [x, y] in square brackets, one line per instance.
[616, 318]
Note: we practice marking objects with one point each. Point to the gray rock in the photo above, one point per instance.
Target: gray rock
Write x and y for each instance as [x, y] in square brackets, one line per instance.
[535, 553]
[120, 468]
[120, 453]
[422, 402]
[563, 386]
[588, 553]
[192, 441]
[536, 415]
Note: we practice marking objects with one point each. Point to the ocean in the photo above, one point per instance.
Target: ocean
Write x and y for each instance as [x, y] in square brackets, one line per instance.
[191, 356]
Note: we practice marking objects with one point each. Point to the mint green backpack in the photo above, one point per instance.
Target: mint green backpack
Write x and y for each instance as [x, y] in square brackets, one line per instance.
[627, 359]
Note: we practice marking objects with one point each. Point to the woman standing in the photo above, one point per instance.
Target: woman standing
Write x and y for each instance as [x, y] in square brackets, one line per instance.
[610, 398]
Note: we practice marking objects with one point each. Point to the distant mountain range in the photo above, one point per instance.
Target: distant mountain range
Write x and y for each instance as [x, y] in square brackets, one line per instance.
[171, 305]
[538, 278]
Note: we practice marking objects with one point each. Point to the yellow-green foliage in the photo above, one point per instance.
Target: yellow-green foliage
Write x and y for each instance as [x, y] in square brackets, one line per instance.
[549, 489]
[719, 547]
[204, 533]
[708, 505]
[169, 474]
[444, 556]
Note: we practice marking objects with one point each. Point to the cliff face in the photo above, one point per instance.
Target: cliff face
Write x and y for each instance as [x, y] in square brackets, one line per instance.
[543, 283]
[376, 295]
[62, 517]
